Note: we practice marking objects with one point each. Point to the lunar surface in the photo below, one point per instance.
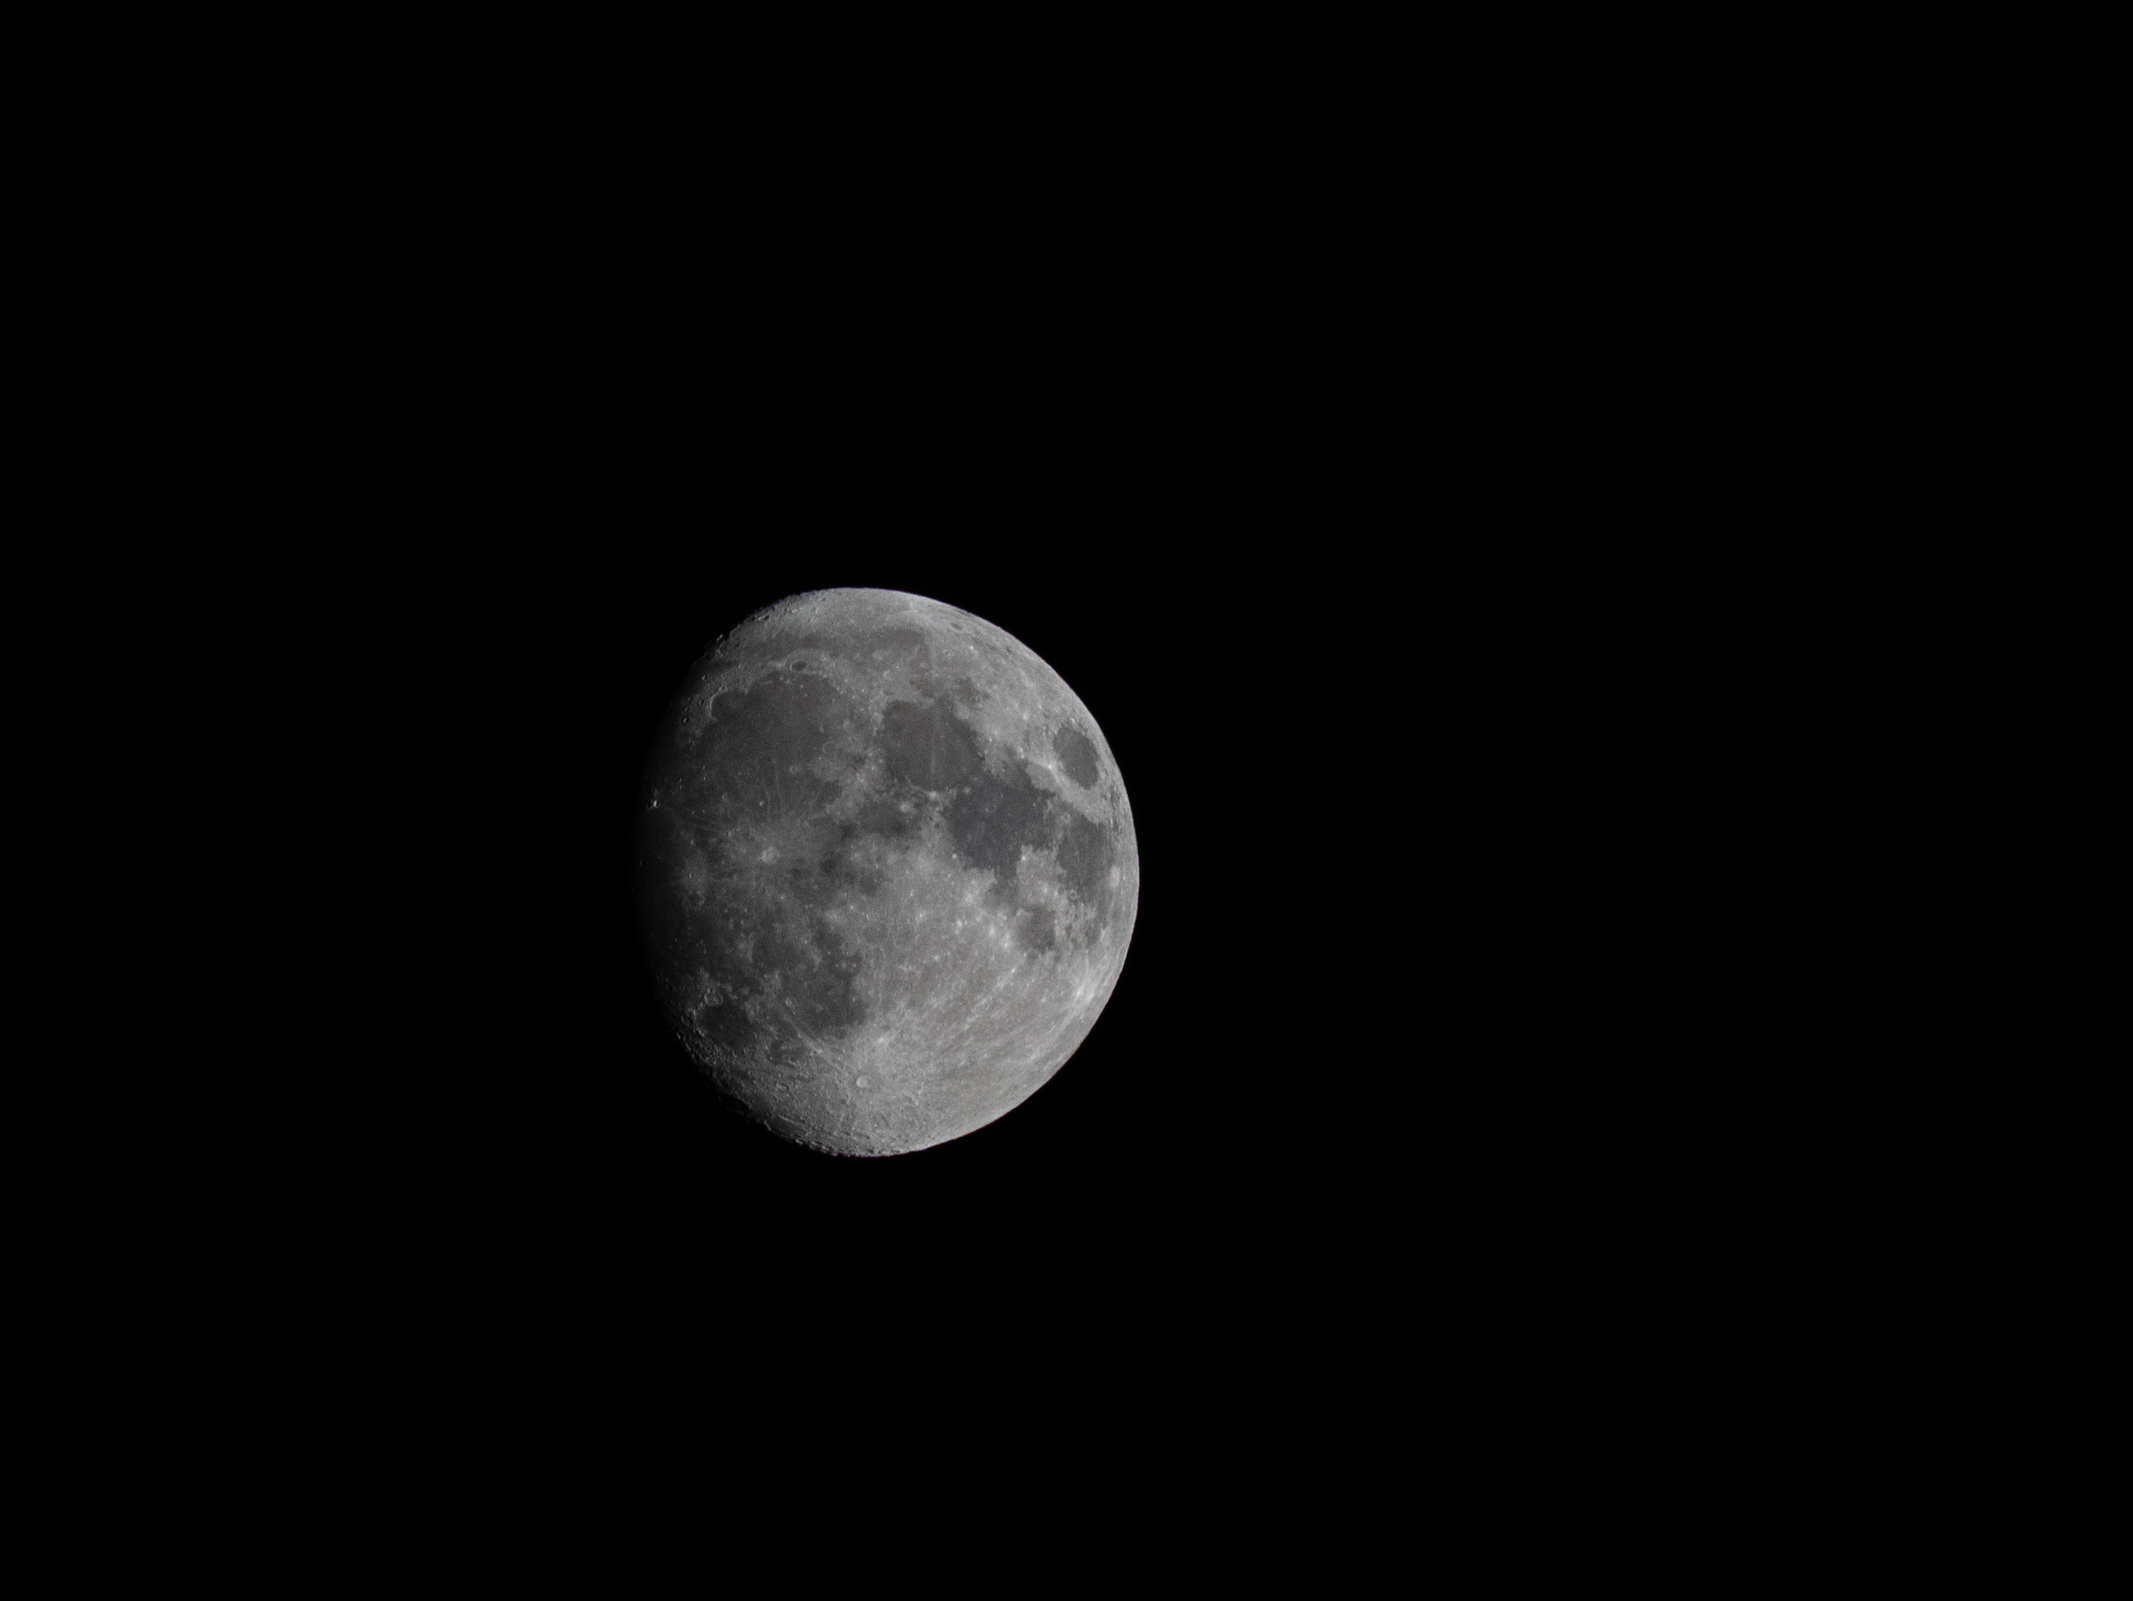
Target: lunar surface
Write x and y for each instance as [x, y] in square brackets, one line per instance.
[887, 870]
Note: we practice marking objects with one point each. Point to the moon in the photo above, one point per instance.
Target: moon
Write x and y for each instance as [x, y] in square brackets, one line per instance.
[887, 872]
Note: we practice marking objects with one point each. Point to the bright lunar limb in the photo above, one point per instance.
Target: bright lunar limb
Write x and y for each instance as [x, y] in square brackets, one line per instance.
[887, 872]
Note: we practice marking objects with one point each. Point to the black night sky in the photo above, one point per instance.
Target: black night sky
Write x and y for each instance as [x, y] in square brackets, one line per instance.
[1434, 607]
[1365, 1023]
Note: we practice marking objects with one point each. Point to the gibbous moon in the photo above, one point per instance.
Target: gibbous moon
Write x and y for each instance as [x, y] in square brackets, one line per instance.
[887, 871]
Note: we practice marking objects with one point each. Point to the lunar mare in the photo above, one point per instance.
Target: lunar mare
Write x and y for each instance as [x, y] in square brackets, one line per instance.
[888, 872]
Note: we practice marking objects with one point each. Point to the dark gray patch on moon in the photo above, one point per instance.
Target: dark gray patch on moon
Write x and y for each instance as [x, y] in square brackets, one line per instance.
[899, 642]
[1077, 756]
[1085, 856]
[1037, 929]
[884, 817]
[759, 743]
[725, 1024]
[821, 987]
[992, 818]
[770, 980]
[816, 881]
[928, 745]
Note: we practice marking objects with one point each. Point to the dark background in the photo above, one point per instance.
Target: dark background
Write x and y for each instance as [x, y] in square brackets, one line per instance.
[1369, 704]
[1265, 500]
[1271, 709]
[1464, 548]
[1561, 573]
[1582, 571]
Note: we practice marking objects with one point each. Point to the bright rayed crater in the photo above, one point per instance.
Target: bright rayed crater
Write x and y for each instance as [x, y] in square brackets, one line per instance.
[887, 870]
